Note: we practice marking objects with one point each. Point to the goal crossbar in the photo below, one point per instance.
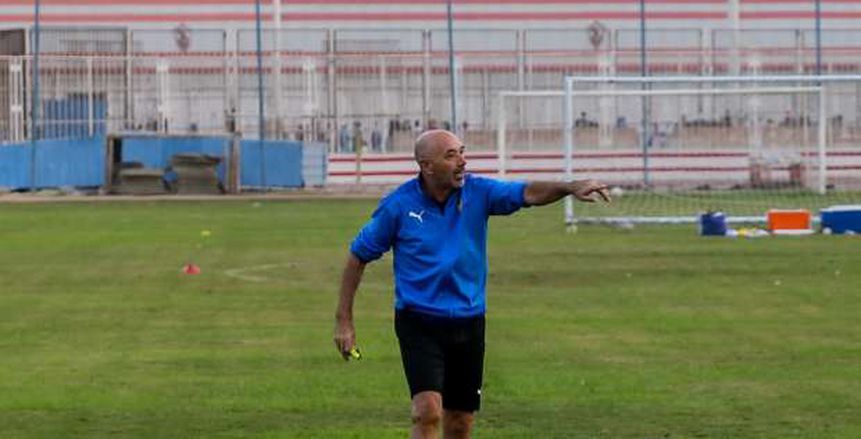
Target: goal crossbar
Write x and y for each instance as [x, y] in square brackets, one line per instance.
[673, 92]
[712, 79]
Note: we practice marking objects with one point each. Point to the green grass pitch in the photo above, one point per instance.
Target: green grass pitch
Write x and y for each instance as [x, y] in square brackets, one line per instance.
[650, 333]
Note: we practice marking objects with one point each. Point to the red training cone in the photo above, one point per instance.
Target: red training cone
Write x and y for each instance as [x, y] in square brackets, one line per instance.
[191, 269]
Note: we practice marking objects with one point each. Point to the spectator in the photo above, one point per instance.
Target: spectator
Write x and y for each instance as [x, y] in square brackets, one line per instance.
[344, 140]
[358, 137]
[377, 138]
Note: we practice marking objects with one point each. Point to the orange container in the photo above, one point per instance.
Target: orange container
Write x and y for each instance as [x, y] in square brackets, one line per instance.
[789, 222]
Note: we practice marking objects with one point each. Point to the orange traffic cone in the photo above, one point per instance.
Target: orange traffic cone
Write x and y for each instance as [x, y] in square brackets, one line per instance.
[191, 269]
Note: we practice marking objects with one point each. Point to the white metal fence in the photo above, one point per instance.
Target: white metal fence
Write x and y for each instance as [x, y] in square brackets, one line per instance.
[366, 88]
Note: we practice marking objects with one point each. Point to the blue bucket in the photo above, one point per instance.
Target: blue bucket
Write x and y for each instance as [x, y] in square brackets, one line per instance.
[713, 224]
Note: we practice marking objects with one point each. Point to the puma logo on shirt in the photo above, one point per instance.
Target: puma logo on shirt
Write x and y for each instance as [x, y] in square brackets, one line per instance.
[417, 216]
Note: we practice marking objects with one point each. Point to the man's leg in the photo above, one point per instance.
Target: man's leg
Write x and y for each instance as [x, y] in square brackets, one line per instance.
[426, 414]
[463, 378]
[423, 366]
[457, 424]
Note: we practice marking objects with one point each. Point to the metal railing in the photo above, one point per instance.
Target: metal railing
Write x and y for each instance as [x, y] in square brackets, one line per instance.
[352, 88]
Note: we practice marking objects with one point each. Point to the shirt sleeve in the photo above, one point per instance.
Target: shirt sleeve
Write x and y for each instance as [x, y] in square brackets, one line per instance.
[377, 236]
[504, 197]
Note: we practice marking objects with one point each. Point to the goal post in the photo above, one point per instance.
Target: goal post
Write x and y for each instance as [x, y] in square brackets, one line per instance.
[569, 146]
[741, 145]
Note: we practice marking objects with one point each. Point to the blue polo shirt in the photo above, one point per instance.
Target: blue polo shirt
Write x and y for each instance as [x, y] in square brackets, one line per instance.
[440, 250]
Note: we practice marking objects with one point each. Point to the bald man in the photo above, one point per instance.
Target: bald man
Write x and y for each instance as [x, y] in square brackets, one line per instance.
[437, 225]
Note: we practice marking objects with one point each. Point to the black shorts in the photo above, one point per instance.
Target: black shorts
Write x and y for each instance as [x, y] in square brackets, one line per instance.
[443, 355]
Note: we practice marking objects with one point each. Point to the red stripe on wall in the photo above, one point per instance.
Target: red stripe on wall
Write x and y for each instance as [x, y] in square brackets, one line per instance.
[795, 15]
[371, 173]
[398, 158]
[588, 170]
[364, 16]
[349, 2]
[203, 3]
[403, 158]
[622, 155]
[73, 3]
[632, 169]
[625, 170]
[795, 2]
[128, 18]
[508, 2]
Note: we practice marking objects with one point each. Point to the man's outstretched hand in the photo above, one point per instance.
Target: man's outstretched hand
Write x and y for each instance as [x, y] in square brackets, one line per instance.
[585, 190]
[540, 193]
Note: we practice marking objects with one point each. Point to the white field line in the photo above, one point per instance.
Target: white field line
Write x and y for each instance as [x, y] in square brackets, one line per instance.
[247, 273]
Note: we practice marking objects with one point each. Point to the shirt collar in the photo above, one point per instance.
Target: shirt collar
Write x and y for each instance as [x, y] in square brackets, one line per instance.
[429, 201]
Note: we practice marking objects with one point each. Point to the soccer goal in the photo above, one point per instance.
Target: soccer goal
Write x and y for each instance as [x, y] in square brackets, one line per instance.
[674, 147]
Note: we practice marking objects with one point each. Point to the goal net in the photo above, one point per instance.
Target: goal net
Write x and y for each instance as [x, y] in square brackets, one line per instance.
[674, 147]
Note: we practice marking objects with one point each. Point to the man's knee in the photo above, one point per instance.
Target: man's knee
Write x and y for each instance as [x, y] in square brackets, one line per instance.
[427, 408]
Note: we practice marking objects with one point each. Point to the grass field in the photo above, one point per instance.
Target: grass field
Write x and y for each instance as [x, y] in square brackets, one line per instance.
[651, 333]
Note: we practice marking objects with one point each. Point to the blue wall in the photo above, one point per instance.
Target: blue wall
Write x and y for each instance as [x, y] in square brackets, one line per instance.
[81, 162]
[14, 166]
[281, 164]
[59, 162]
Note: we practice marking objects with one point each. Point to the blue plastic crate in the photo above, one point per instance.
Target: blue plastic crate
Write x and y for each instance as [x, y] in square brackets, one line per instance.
[713, 224]
[841, 219]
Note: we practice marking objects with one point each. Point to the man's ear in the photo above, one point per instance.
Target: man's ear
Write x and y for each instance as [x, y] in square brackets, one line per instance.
[425, 167]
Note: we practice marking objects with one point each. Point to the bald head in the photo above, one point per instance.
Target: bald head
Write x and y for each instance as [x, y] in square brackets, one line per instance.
[433, 142]
[439, 154]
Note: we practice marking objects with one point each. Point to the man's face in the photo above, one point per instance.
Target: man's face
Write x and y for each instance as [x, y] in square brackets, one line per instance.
[447, 164]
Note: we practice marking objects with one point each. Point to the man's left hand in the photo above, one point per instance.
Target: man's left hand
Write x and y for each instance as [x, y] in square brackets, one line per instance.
[583, 190]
